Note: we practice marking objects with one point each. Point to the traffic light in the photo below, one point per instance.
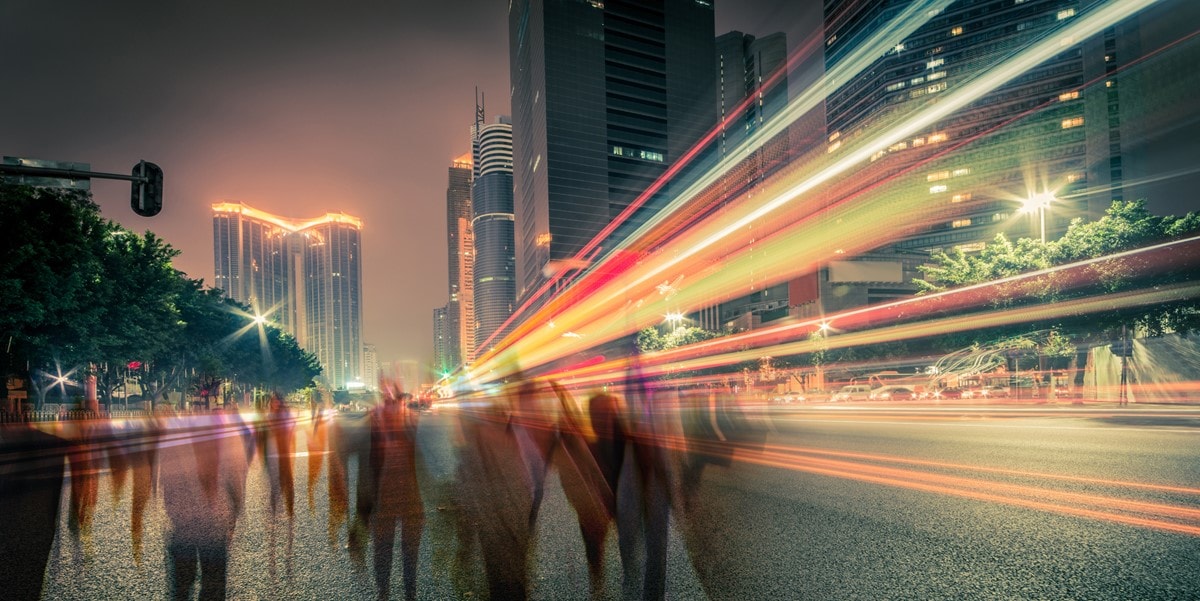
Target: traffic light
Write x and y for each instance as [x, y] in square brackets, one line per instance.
[146, 198]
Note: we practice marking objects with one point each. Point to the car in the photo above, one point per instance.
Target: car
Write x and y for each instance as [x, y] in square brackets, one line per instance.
[948, 393]
[852, 393]
[893, 393]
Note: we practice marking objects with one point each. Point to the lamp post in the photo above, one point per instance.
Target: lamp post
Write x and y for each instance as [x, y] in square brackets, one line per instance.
[1039, 203]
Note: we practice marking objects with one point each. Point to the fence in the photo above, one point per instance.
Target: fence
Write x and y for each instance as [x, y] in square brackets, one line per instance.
[9, 417]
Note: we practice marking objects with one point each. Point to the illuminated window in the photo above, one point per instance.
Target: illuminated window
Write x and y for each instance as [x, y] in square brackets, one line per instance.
[1065, 96]
[961, 171]
[935, 63]
[1066, 14]
[878, 155]
[898, 146]
[899, 47]
[896, 86]
[1110, 83]
[938, 75]
[1072, 122]
[938, 189]
[956, 31]
[918, 80]
[917, 93]
[650, 155]
[834, 146]
[1018, 1]
[937, 176]
[960, 223]
[935, 88]
[831, 40]
[835, 135]
[938, 137]
[918, 142]
[1000, 216]
[543, 240]
[1076, 177]
[961, 197]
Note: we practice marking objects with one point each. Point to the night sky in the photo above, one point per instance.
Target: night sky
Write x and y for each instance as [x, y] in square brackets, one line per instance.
[299, 109]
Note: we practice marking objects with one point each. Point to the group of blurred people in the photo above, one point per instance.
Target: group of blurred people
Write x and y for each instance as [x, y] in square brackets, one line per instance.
[624, 466]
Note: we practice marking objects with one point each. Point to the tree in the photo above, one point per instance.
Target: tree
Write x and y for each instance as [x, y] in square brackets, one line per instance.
[50, 263]
[1125, 226]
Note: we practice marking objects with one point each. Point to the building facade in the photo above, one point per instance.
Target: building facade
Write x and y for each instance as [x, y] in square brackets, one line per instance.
[1034, 136]
[460, 310]
[605, 96]
[303, 275]
[492, 227]
[441, 351]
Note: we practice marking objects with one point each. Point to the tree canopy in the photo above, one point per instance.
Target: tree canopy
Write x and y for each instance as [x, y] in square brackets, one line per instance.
[80, 291]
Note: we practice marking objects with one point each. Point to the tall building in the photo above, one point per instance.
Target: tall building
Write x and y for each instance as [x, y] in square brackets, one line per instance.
[370, 370]
[1035, 135]
[606, 95]
[745, 66]
[441, 351]
[303, 275]
[492, 226]
[460, 310]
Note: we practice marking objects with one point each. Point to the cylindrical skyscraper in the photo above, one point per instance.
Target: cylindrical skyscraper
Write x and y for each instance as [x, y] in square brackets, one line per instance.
[495, 255]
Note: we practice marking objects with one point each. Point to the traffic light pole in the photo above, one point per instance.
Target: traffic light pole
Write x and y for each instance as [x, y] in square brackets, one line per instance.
[146, 198]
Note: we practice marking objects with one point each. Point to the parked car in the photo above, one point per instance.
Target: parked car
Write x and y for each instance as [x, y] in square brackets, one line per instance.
[853, 393]
[893, 393]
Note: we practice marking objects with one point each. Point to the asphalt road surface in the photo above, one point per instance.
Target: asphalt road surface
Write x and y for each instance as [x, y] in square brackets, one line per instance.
[843, 502]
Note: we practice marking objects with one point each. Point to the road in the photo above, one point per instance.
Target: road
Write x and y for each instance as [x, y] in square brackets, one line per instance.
[843, 502]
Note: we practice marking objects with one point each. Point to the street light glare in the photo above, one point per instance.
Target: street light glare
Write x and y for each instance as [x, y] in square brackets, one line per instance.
[260, 319]
[1037, 202]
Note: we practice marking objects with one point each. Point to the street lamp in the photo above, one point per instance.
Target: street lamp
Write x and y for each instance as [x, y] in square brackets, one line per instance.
[1039, 203]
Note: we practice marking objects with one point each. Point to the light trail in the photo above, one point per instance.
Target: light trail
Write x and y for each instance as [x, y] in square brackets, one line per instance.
[699, 247]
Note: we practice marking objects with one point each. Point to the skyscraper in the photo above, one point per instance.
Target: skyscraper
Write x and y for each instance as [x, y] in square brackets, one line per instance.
[492, 226]
[441, 354]
[745, 65]
[606, 95]
[460, 310]
[1027, 137]
[303, 275]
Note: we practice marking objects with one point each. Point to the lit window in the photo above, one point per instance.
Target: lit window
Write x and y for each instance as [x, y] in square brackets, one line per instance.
[1018, 1]
[896, 86]
[898, 146]
[834, 146]
[956, 31]
[935, 63]
[938, 75]
[937, 176]
[960, 223]
[938, 189]
[961, 171]
[835, 135]
[918, 142]
[917, 93]
[899, 47]
[1000, 216]
[965, 196]
[1065, 96]
[935, 88]
[1066, 14]
[1110, 83]
[938, 137]
[830, 41]
[1072, 122]
[1076, 177]
[918, 80]
[878, 155]
[543, 240]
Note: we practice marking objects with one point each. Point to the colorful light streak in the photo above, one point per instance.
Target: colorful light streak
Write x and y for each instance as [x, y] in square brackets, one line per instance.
[706, 253]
